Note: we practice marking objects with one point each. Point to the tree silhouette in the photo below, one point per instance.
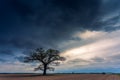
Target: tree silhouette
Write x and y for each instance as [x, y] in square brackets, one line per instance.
[45, 58]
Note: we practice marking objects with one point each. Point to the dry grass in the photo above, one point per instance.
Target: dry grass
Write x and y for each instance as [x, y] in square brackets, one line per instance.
[59, 77]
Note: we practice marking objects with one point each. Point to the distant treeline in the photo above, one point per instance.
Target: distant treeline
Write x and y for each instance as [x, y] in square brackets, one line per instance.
[64, 73]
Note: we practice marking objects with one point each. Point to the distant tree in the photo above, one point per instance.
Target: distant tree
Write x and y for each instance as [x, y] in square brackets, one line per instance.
[103, 73]
[45, 58]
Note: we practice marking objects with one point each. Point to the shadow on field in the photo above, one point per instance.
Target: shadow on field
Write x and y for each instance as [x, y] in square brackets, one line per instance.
[23, 75]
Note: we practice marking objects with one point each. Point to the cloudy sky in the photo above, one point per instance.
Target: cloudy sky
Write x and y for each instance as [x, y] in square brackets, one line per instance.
[85, 31]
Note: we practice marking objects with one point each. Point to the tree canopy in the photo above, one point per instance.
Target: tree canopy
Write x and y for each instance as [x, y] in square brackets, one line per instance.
[46, 58]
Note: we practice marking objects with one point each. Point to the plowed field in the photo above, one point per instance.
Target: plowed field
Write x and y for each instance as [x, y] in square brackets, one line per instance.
[59, 77]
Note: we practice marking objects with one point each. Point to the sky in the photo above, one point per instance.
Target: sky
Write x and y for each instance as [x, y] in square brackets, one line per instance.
[86, 32]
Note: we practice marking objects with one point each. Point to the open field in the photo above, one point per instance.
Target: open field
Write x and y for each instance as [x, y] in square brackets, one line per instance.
[59, 77]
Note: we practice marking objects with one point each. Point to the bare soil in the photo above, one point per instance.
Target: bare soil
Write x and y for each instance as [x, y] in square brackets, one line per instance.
[59, 77]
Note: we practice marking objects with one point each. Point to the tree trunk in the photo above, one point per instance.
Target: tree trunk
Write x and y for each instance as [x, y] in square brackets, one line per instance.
[45, 70]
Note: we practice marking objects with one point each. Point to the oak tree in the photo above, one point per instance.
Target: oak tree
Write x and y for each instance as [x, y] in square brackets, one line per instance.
[46, 58]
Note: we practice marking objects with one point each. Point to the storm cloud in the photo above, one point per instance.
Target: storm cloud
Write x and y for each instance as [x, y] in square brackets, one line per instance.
[46, 21]
[59, 24]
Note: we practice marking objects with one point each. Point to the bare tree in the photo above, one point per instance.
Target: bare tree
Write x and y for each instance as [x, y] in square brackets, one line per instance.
[45, 58]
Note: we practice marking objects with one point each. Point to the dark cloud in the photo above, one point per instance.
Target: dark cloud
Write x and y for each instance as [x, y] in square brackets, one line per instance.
[108, 23]
[115, 57]
[20, 58]
[6, 52]
[74, 61]
[57, 13]
[36, 23]
[2, 60]
[113, 6]
[98, 59]
[27, 24]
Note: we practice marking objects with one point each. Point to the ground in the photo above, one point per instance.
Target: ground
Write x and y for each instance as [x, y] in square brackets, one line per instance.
[60, 77]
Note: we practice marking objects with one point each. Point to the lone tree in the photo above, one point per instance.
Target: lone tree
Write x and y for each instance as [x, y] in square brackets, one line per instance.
[45, 58]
